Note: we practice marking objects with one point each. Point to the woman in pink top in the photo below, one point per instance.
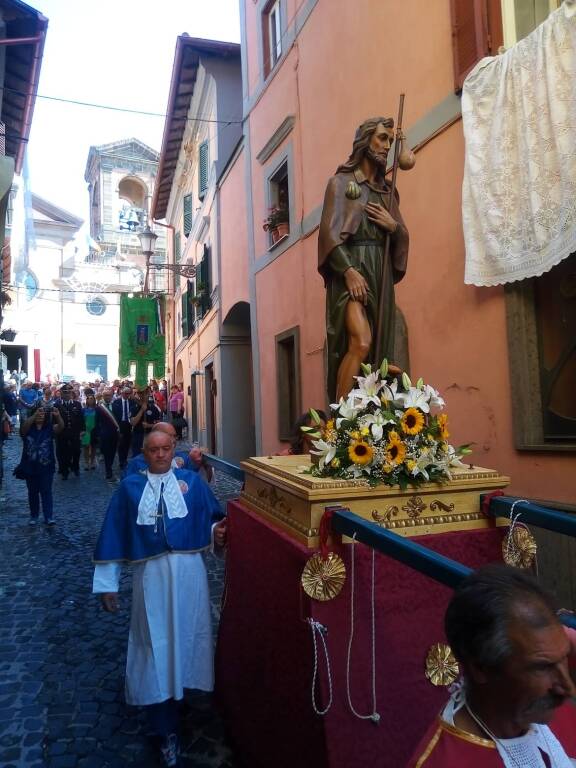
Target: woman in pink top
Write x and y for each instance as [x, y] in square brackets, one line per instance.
[176, 404]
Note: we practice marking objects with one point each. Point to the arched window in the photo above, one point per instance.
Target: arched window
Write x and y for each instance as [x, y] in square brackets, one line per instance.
[28, 282]
[133, 193]
[96, 306]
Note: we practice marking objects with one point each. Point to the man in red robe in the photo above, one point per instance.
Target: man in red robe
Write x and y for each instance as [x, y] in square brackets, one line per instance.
[513, 709]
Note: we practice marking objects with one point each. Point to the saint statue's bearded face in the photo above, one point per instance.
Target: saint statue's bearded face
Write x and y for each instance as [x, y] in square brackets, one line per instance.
[379, 145]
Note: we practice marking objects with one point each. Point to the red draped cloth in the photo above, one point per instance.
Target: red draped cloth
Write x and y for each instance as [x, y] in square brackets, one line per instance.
[264, 659]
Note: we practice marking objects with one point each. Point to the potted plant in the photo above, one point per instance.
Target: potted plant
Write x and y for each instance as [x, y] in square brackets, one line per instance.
[276, 223]
[283, 219]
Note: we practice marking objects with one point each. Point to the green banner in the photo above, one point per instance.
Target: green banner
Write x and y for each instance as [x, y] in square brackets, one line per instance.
[141, 337]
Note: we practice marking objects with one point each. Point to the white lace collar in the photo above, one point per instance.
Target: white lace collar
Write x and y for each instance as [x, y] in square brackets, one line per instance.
[173, 498]
[522, 752]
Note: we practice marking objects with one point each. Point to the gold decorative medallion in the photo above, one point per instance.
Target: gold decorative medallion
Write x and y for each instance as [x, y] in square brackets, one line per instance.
[519, 546]
[352, 191]
[441, 666]
[414, 507]
[323, 579]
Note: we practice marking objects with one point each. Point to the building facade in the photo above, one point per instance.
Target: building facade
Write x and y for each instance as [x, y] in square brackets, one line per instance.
[120, 178]
[208, 322]
[312, 71]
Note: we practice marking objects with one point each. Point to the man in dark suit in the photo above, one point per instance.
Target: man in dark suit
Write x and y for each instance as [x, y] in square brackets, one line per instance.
[68, 441]
[108, 431]
[124, 409]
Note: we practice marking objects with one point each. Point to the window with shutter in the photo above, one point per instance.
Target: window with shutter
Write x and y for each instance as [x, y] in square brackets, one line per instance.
[184, 313]
[177, 246]
[187, 205]
[206, 280]
[202, 169]
[476, 32]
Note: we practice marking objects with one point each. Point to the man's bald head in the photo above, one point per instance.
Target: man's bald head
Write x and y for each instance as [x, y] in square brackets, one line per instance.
[163, 426]
[158, 450]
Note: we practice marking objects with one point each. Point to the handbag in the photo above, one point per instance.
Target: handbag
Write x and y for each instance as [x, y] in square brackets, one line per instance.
[19, 472]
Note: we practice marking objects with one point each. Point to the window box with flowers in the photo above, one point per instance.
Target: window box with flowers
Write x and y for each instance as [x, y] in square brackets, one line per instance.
[277, 223]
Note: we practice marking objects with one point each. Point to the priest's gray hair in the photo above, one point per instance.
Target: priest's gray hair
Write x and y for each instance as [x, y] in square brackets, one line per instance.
[484, 605]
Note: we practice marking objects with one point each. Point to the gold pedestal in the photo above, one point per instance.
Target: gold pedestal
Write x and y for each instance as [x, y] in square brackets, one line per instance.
[277, 489]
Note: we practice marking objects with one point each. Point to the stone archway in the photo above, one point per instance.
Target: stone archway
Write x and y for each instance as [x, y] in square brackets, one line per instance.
[236, 406]
[179, 376]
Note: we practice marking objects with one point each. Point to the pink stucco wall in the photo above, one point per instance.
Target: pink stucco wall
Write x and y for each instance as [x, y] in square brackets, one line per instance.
[346, 66]
[233, 238]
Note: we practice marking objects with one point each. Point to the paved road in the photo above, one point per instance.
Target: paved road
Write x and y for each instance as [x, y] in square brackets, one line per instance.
[61, 657]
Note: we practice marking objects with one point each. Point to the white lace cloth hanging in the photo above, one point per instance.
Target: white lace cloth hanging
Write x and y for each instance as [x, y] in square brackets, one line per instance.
[519, 189]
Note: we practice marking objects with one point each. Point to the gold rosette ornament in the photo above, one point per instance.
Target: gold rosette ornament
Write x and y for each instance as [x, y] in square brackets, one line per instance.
[323, 579]
[519, 546]
[441, 665]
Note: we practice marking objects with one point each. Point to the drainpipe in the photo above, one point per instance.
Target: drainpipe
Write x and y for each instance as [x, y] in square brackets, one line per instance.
[173, 230]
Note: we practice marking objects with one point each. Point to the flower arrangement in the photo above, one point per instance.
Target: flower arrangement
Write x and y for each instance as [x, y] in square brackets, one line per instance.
[385, 432]
[276, 216]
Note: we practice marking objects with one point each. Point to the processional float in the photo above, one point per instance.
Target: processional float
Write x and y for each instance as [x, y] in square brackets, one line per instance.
[331, 651]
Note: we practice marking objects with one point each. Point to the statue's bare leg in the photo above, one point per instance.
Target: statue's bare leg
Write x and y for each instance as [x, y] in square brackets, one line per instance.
[359, 340]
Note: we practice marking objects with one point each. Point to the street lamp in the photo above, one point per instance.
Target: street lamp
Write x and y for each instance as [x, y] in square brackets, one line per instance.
[147, 241]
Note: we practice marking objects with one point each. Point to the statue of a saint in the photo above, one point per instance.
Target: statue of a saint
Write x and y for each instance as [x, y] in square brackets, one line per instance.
[358, 270]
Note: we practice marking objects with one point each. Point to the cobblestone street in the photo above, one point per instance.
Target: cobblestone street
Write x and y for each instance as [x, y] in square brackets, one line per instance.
[62, 657]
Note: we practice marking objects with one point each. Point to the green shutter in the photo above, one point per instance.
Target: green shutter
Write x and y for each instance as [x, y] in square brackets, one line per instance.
[184, 312]
[202, 169]
[206, 279]
[177, 247]
[187, 205]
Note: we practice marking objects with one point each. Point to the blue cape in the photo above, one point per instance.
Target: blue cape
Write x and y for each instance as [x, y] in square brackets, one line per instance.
[138, 463]
[123, 540]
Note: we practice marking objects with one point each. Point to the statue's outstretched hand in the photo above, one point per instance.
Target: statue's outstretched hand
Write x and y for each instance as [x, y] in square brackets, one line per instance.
[356, 285]
[380, 216]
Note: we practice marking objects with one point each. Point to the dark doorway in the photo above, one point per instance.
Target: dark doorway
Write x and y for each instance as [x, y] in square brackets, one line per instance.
[210, 408]
[14, 353]
[194, 408]
[97, 365]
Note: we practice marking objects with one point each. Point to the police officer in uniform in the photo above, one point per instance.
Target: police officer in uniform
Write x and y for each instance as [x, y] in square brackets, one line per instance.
[68, 441]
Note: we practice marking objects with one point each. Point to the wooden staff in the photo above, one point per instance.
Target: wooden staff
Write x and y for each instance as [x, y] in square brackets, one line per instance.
[380, 320]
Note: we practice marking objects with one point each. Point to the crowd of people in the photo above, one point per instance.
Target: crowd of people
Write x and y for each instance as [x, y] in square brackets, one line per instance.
[513, 704]
[66, 427]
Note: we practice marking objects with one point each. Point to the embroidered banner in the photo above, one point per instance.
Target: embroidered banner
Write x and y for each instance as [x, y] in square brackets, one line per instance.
[141, 337]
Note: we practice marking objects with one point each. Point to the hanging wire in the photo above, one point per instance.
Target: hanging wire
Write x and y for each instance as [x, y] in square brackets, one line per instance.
[111, 108]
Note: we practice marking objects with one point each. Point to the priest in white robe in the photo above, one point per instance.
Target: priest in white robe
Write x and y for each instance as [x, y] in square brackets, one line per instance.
[160, 520]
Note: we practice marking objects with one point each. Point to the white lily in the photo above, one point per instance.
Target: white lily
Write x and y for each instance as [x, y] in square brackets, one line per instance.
[433, 396]
[453, 458]
[415, 398]
[325, 451]
[390, 391]
[368, 388]
[376, 423]
[347, 409]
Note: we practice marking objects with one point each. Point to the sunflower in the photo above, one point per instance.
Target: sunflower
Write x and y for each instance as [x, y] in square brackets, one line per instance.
[443, 427]
[412, 421]
[395, 449]
[360, 452]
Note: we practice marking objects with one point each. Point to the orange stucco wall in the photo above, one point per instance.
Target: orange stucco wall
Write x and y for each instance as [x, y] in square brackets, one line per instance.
[350, 61]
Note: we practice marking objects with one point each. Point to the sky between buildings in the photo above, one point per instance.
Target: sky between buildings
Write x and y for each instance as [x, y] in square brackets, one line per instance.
[113, 52]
